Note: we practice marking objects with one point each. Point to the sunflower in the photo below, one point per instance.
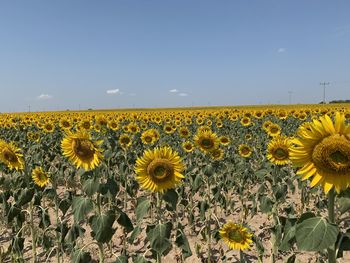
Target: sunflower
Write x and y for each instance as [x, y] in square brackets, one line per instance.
[236, 236]
[65, 124]
[148, 137]
[278, 150]
[245, 150]
[207, 141]
[159, 169]
[266, 125]
[81, 150]
[184, 132]
[248, 137]
[168, 129]
[113, 125]
[188, 146]
[85, 124]
[245, 121]
[125, 141]
[217, 154]
[323, 152]
[133, 128]
[48, 127]
[274, 130]
[11, 156]
[224, 140]
[39, 177]
[258, 114]
[219, 124]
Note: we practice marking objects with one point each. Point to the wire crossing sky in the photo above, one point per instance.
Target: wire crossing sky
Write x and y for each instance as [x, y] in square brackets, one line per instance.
[57, 55]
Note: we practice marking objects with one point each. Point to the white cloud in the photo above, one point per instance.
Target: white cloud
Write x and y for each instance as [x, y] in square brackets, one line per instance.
[173, 90]
[112, 91]
[44, 97]
[281, 50]
[183, 94]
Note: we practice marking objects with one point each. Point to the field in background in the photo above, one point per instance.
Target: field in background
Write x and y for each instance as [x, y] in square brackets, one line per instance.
[103, 214]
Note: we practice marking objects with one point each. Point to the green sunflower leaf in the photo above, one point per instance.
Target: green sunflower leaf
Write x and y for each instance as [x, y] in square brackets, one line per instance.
[315, 234]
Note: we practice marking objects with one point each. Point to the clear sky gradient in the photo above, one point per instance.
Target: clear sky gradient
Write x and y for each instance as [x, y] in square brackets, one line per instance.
[57, 55]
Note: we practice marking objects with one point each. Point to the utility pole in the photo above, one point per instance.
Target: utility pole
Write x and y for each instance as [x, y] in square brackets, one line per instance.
[324, 84]
[290, 96]
[29, 108]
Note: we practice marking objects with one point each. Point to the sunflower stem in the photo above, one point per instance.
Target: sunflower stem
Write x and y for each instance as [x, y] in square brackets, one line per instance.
[331, 218]
[241, 256]
[159, 219]
[101, 252]
[58, 238]
[125, 206]
[32, 230]
[208, 222]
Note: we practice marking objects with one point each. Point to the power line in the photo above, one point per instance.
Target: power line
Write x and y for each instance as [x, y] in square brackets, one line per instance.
[324, 84]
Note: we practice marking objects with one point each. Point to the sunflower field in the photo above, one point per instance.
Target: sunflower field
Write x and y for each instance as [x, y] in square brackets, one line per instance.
[217, 184]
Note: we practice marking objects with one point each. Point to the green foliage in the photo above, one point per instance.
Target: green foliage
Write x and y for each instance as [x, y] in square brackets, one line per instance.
[101, 225]
[81, 207]
[315, 234]
[142, 207]
[158, 236]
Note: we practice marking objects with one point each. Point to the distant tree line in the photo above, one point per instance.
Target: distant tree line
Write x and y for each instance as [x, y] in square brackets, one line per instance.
[339, 101]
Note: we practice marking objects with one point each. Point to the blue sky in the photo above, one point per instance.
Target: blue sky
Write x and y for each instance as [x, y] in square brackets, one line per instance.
[57, 55]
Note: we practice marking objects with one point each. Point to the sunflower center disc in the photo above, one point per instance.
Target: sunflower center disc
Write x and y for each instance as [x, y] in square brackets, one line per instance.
[207, 143]
[235, 236]
[160, 169]
[332, 154]
[125, 140]
[83, 148]
[245, 150]
[41, 177]
[148, 139]
[9, 155]
[280, 154]
[274, 130]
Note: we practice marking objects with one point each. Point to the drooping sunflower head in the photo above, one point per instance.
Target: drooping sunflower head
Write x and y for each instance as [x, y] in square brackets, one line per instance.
[159, 169]
[278, 150]
[81, 150]
[323, 152]
[11, 156]
[236, 236]
[206, 141]
[245, 150]
[40, 177]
